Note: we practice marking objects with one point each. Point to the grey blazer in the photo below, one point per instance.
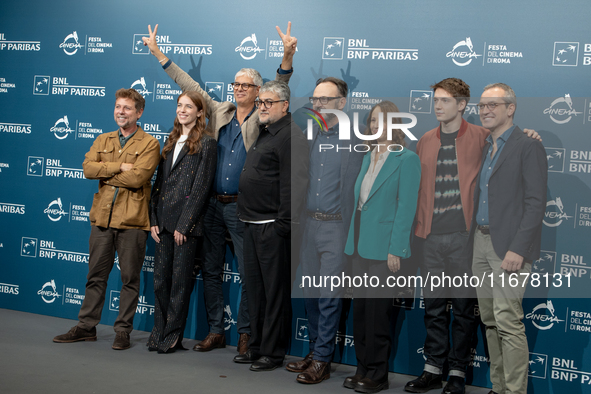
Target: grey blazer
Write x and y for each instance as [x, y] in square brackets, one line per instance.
[516, 196]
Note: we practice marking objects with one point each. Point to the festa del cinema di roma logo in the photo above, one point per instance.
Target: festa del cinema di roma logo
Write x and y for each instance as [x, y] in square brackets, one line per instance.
[460, 56]
[71, 44]
[345, 128]
[249, 47]
[543, 321]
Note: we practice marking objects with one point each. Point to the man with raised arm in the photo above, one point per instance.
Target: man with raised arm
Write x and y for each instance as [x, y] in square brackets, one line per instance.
[123, 161]
[235, 127]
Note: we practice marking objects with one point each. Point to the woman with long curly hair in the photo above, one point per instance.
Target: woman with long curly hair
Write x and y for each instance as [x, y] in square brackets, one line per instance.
[179, 197]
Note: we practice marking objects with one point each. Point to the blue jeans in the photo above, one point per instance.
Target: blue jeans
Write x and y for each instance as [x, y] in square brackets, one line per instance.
[218, 217]
[322, 254]
[450, 254]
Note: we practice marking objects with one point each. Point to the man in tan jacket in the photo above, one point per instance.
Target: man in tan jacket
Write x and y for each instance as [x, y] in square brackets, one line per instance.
[123, 161]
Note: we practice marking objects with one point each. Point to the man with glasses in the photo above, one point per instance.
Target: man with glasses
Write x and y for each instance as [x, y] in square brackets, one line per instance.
[271, 185]
[450, 160]
[510, 203]
[235, 126]
[329, 207]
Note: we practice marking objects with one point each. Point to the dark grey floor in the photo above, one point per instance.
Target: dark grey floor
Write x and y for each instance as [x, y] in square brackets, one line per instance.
[31, 363]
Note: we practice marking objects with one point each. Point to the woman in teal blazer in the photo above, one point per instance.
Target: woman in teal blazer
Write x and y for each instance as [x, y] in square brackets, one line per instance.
[379, 236]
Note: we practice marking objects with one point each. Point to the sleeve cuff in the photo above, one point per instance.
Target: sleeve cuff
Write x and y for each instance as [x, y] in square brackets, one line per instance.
[282, 71]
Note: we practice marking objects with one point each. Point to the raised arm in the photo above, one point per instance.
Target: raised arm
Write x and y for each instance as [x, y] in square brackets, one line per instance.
[178, 75]
[289, 47]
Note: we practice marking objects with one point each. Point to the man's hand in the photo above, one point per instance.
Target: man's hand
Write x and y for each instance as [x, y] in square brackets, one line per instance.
[179, 238]
[125, 167]
[512, 262]
[532, 134]
[289, 43]
[393, 262]
[151, 43]
[154, 230]
[289, 47]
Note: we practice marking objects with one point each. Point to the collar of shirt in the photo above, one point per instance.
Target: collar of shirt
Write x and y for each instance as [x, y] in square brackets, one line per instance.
[275, 127]
[503, 137]
[123, 140]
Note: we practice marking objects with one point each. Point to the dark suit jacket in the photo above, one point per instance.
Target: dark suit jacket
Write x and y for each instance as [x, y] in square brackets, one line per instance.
[516, 196]
[181, 190]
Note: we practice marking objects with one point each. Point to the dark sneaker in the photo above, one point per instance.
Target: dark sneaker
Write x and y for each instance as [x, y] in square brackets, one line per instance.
[76, 334]
[121, 341]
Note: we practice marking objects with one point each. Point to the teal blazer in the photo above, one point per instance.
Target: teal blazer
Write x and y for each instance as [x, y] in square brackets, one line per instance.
[388, 214]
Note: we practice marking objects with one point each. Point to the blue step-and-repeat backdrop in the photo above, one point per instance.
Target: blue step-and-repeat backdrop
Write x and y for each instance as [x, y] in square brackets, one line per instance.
[61, 63]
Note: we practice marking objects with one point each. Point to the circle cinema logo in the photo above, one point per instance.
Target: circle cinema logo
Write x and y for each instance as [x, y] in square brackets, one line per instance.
[71, 44]
[543, 321]
[61, 128]
[561, 110]
[55, 210]
[49, 292]
[463, 53]
[249, 47]
[555, 213]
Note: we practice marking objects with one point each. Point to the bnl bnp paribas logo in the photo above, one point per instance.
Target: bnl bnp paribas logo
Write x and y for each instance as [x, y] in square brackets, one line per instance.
[61, 129]
[555, 157]
[216, 91]
[345, 128]
[566, 54]
[537, 365]
[543, 316]
[71, 44]
[555, 213]
[561, 110]
[249, 47]
[420, 101]
[141, 87]
[463, 53]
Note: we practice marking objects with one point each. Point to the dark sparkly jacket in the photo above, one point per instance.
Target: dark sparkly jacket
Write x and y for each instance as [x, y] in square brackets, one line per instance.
[181, 190]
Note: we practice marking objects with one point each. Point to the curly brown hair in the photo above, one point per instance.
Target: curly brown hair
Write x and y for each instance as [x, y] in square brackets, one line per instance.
[196, 134]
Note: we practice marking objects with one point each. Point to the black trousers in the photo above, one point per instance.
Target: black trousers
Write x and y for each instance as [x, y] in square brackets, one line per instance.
[173, 268]
[268, 284]
[371, 321]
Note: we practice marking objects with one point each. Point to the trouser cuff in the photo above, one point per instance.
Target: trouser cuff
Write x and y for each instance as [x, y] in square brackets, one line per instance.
[455, 372]
[432, 369]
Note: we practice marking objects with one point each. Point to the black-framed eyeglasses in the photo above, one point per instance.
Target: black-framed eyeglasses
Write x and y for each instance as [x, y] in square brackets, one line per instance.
[490, 106]
[323, 99]
[243, 86]
[267, 104]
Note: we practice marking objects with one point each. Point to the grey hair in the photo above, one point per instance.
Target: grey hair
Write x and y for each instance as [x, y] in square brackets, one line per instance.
[276, 87]
[251, 73]
[509, 97]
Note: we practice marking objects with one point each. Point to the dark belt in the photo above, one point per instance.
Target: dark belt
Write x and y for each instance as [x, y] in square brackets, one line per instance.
[226, 199]
[324, 216]
[484, 229]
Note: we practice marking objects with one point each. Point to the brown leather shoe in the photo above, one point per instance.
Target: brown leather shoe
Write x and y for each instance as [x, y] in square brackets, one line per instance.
[121, 341]
[302, 365]
[211, 341]
[76, 334]
[243, 343]
[317, 372]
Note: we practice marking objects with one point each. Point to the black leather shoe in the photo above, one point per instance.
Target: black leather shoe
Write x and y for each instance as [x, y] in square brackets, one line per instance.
[247, 358]
[351, 381]
[492, 392]
[427, 381]
[455, 385]
[366, 385]
[264, 364]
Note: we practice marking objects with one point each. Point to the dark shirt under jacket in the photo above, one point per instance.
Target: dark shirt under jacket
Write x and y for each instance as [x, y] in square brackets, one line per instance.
[231, 157]
[325, 172]
[265, 187]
